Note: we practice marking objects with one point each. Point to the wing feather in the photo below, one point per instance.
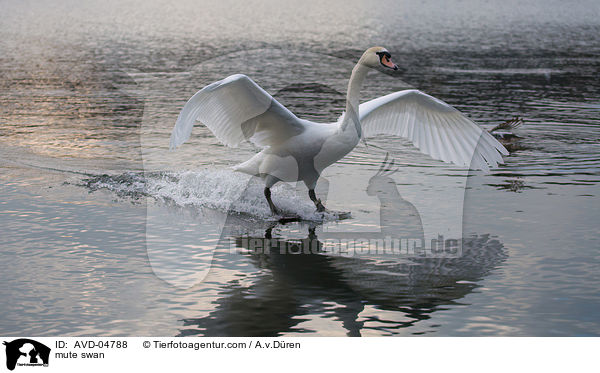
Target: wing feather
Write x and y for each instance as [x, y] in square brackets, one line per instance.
[437, 151]
[433, 126]
[237, 109]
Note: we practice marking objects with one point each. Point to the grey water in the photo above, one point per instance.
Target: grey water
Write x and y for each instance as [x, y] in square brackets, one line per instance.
[104, 232]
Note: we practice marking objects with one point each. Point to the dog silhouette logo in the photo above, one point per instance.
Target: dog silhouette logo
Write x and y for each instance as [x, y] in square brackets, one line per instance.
[26, 352]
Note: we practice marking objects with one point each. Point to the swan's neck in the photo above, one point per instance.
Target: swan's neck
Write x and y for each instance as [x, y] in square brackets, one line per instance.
[351, 120]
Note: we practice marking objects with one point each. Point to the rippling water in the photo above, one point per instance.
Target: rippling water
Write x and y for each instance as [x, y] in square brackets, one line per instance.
[90, 92]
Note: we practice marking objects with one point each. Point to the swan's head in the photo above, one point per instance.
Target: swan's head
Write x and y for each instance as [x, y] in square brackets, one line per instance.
[378, 57]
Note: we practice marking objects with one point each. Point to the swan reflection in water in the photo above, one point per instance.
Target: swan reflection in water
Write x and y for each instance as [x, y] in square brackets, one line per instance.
[297, 282]
[299, 278]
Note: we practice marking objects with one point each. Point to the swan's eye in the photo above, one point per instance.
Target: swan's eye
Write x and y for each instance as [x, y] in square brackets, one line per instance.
[384, 56]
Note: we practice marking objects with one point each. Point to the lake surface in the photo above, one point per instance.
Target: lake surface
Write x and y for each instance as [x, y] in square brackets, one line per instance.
[105, 232]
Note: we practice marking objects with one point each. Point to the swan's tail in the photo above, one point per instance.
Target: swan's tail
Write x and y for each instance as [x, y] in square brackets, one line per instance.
[271, 166]
[250, 167]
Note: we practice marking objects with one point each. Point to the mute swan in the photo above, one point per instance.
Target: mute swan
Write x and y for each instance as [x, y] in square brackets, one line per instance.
[237, 109]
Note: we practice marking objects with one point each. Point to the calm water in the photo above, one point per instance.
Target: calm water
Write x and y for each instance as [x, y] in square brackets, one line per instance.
[104, 232]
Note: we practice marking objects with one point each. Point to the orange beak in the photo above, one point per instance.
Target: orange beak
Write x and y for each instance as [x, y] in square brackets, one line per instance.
[386, 61]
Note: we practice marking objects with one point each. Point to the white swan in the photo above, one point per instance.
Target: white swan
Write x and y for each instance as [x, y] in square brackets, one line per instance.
[237, 109]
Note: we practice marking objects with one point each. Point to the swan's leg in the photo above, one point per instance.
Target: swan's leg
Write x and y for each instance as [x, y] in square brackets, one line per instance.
[317, 202]
[274, 209]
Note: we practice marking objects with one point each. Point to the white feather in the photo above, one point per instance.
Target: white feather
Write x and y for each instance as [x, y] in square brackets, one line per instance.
[237, 109]
[434, 127]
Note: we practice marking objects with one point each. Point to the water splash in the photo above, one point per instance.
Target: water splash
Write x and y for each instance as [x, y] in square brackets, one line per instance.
[222, 190]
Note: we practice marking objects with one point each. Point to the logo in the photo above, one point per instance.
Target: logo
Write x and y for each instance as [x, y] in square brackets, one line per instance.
[26, 352]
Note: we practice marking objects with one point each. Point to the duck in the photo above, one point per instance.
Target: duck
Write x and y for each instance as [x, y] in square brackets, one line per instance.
[508, 133]
[237, 109]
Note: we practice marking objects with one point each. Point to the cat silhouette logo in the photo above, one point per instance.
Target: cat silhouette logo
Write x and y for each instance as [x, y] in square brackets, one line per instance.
[26, 352]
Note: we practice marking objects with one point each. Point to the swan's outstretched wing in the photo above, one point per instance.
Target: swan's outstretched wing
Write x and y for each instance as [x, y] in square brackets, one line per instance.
[237, 109]
[434, 127]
